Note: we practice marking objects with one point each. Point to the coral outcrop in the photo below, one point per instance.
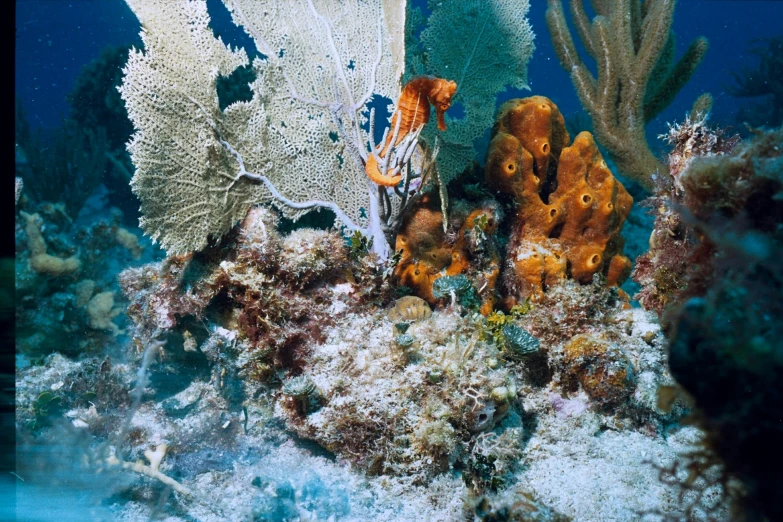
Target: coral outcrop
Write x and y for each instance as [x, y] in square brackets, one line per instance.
[427, 253]
[569, 212]
[603, 370]
[676, 254]
[724, 316]
[633, 46]
[412, 415]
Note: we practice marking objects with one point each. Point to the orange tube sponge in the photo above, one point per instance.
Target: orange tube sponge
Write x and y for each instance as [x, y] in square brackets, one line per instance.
[570, 208]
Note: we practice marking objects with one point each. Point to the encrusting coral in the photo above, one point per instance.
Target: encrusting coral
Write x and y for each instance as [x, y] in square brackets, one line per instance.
[569, 212]
[633, 46]
[412, 416]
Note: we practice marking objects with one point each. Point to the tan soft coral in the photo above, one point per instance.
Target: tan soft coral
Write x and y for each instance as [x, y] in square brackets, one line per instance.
[40, 261]
[570, 208]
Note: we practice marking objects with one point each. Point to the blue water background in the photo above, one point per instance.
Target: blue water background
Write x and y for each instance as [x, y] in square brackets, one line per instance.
[56, 38]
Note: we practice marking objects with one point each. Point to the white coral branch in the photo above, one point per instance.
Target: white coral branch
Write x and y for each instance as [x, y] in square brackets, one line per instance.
[152, 471]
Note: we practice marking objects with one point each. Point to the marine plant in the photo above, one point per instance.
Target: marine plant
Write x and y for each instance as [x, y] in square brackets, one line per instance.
[636, 76]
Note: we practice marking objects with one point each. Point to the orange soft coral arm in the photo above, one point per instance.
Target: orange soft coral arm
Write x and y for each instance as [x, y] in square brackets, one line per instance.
[413, 110]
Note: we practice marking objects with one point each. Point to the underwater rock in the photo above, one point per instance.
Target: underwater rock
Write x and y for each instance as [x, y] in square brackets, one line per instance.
[308, 255]
[604, 371]
[678, 255]
[725, 325]
[397, 419]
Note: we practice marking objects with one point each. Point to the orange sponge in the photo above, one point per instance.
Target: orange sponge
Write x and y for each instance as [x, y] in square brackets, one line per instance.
[570, 207]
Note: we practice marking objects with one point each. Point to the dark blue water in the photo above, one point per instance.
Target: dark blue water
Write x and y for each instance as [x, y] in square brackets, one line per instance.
[56, 38]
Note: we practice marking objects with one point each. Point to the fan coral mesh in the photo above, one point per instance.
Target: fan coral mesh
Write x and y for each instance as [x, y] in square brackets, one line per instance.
[191, 157]
[500, 40]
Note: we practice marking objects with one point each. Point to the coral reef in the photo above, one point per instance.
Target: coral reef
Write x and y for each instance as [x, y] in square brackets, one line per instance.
[569, 211]
[440, 414]
[725, 338]
[458, 352]
[633, 46]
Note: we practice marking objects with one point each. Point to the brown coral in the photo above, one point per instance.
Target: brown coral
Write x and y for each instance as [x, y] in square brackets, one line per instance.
[602, 368]
[424, 250]
[570, 208]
